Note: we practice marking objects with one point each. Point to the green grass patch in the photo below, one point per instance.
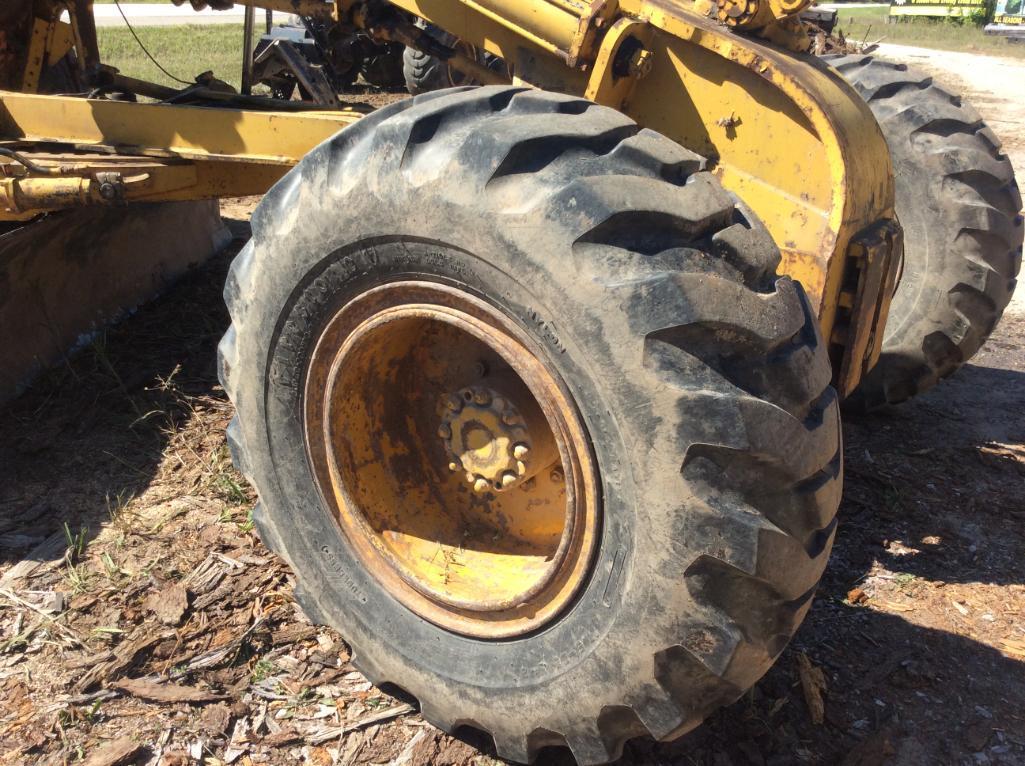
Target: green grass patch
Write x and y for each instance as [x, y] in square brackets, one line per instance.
[871, 24]
[184, 51]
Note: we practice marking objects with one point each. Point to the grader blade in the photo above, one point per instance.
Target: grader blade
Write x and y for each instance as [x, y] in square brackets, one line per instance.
[66, 275]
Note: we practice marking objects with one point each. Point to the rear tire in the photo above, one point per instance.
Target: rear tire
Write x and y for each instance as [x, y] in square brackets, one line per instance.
[424, 73]
[959, 205]
[698, 373]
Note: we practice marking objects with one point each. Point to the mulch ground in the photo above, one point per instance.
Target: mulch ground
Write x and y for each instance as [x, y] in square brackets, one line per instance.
[141, 620]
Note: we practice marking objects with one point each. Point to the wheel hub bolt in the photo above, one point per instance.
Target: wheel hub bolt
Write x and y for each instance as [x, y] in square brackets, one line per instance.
[488, 438]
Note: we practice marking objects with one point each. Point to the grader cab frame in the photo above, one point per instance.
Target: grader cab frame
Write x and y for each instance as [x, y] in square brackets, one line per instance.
[780, 128]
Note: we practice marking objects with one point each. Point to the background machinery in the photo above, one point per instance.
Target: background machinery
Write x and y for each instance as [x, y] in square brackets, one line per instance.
[538, 379]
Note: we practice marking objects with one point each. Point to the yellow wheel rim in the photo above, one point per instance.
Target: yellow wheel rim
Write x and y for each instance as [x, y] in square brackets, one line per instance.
[453, 457]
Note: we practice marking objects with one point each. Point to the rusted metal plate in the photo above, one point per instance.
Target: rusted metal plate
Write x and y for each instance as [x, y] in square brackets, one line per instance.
[67, 275]
[874, 258]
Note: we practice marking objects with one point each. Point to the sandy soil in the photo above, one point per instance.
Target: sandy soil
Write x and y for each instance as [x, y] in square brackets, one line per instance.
[127, 557]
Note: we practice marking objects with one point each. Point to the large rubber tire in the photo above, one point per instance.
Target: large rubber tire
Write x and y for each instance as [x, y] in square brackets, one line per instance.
[697, 371]
[424, 73]
[959, 205]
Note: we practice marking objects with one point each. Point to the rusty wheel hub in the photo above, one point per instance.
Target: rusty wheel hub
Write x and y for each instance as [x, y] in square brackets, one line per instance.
[454, 459]
[489, 439]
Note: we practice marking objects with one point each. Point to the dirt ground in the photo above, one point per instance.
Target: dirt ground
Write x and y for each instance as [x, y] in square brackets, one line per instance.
[127, 556]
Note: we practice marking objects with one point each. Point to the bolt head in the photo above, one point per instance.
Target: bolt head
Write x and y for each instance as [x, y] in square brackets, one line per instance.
[453, 403]
[481, 397]
[444, 431]
[454, 467]
[557, 475]
[508, 479]
[520, 451]
[481, 485]
[641, 63]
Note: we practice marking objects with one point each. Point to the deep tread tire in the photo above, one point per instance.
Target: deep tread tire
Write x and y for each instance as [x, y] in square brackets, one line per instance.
[424, 73]
[698, 372]
[958, 202]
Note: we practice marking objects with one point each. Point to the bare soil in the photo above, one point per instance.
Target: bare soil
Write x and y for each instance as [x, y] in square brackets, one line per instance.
[141, 620]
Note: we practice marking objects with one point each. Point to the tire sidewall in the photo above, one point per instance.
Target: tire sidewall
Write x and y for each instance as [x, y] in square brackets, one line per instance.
[925, 233]
[316, 543]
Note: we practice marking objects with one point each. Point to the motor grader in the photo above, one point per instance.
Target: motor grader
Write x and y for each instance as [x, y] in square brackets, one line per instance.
[537, 378]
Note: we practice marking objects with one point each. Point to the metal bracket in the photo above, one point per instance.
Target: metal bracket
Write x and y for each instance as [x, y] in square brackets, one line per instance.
[311, 78]
[872, 263]
[622, 60]
[592, 24]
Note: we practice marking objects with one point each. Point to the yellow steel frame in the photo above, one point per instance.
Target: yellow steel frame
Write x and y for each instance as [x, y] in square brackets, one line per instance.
[781, 129]
[228, 135]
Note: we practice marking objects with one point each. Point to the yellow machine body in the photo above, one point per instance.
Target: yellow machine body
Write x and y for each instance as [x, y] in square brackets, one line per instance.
[729, 81]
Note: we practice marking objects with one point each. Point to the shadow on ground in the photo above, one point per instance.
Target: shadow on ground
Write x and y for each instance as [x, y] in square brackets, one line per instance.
[90, 435]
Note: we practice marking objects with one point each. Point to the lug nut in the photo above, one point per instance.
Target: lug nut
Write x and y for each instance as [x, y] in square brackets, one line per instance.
[453, 403]
[454, 467]
[481, 397]
[444, 431]
[520, 451]
[508, 479]
[481, 485]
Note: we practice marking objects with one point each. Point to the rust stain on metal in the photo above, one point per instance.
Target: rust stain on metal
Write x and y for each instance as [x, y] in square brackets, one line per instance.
[471, 499]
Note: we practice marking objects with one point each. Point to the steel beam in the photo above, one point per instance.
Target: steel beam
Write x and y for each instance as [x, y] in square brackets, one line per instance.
[243, 136]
